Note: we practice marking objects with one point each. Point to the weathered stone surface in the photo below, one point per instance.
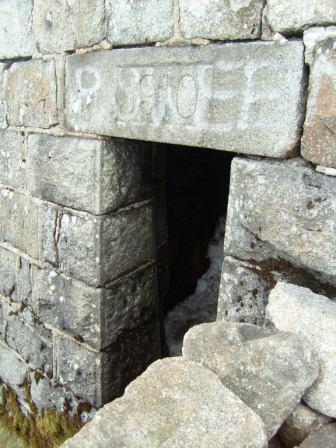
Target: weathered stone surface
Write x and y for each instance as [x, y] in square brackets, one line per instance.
[266, 199]
[187, 406]
[23, 288]
[288, 16]
[51, 24]
[8, 262]
[243, 293]
[31, 340]
[16, 39]
[221, 96]
[300, 424]
[250, 362]
[94, 316]
[28, 224]
[314, 37]
[218, 19]
[319, 138]
[30, 94]
[93, 175]
[3, 318]
[79, 369]
[312, 316]
[2, 103]
[13, 371]
[323, 437]
[139, 22]
[100, 249]
[11, 155]
[47, 395]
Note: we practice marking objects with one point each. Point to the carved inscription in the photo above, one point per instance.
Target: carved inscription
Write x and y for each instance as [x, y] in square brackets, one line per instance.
[242, 98]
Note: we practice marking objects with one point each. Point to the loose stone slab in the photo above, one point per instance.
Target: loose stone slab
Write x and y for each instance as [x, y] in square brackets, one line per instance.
[16, 39]
[269, 197]
[302, 421]
[319, 137]
[313, 316]
[288, 16]
[221, 96]
[175, 403]
[93, 175]
[30, 94]
[324, 437]
[221, 19]
[269, 372]
[51, 24]
[130, 23]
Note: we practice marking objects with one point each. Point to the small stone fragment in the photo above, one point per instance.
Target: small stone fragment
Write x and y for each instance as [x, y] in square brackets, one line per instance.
[269, 372]
[324, 437]
[300, 424]
[175, 403]
[312, 316]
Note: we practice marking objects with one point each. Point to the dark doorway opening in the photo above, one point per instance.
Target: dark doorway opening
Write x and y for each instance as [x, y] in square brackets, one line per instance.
[192, 195]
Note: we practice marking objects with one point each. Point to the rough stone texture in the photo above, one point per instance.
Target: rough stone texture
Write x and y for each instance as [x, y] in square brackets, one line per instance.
[323, 437]
[216, 96]
[218, 19]
[11, 155]
[314, 37]
[250, 362]
[30, 94]
[266, 199]
[243, 293]
[54, 33]
[93, 175]
[13, 371]
[312, 316]
[300, 424]
[31, 340]
[288, 16]
[27, 224]
[184, 407]
[319, 138]
[7, 272]
[94, 316]
[139, 22]
[16, 39]
[2, 103]
[100, 249]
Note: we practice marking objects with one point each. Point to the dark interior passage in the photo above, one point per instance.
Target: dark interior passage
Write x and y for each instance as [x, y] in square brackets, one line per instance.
[197, 189]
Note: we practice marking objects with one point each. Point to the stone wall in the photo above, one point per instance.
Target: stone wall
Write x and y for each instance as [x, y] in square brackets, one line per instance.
[79, 210]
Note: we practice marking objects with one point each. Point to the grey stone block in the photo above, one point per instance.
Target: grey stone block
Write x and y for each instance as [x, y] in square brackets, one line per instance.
[100, 249]
[312, 317]
[288, 16]
[174, 403]
[243, 293]
[13, 371]
[2, 103]
[221, 19]
[227, 97]
[28, 224]
[314, 37]
[51, 24]
[323, 437]
[11, 156]
[282, 210]
[319, 137]
[23, 282]
[31, 340]
[48, 395]
[8, 262]
[16, 38]
[93, 175]
[30, 94]
[139, 22]
[3, 318]
[255, 365]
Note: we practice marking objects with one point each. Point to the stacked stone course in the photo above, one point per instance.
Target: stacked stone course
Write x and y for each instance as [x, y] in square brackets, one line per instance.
[83, 235]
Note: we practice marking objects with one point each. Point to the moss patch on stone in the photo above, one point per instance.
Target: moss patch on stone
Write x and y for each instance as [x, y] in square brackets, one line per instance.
[47, 430]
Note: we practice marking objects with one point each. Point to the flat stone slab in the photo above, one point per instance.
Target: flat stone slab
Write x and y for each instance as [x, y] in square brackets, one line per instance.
[227, 97]
[313, 316]
[175, 403]
[269, 372]
[324, 437]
